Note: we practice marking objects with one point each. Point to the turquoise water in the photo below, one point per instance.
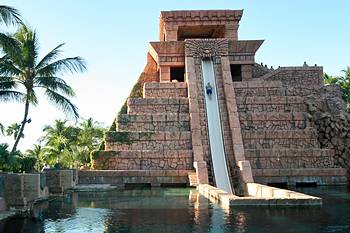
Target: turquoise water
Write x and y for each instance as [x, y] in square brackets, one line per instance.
[181, 210]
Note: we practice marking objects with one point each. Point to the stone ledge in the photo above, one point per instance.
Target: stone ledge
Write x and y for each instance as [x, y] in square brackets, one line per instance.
[257, 84]
[155, 117]
[307, 133]
[259, 195]
[273, 116]
[157, 101]
[299, 172]
[274, 100]
[134, 137]
[143, 154]
[134, 173]
[307, 152]
[166, 85]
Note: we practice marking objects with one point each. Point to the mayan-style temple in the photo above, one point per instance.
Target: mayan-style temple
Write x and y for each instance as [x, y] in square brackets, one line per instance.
[256, 124]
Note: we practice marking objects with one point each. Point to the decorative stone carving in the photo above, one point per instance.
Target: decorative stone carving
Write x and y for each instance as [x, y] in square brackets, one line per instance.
[206, 48]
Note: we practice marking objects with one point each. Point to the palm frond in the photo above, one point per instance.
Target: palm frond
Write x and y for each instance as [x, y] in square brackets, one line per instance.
[7, 83]
[8, 68]
[9, 95]
[9, 45]
[70, 65]
[9, 15]
[52, 55]
[29, 46]
[62, 102]
[55, 84]
[2, 128]
[32, 98]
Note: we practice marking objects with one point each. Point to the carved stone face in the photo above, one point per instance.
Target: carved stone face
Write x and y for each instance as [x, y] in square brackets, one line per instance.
[206, 48]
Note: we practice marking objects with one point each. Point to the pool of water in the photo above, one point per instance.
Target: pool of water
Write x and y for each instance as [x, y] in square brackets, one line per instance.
[181, 210]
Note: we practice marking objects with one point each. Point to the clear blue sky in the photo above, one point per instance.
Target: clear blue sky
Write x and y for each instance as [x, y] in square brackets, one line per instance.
[113, 37]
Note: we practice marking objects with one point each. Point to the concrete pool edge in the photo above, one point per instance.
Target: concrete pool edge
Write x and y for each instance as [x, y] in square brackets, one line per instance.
[259, 195]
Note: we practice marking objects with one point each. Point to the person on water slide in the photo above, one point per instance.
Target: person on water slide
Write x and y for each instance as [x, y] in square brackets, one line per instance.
[209, 89]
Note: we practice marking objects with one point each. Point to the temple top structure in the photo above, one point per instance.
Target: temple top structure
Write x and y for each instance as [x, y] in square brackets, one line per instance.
[181, 25]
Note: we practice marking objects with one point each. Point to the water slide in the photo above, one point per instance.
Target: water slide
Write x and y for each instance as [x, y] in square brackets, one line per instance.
[216, 142]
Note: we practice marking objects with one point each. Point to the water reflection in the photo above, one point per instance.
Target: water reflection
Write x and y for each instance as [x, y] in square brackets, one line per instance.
[180, 210]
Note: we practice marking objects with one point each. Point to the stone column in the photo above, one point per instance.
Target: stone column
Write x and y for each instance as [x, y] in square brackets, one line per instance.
[247, 72]
[235, 126]
[231, 31]
[197, 147]
[164, 72]
[171, 32]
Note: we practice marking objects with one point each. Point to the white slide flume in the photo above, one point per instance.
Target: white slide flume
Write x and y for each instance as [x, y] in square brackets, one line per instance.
[216, 142]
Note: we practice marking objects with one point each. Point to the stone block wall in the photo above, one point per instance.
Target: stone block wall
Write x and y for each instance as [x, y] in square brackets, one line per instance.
[152, 137]
[281, 139]
[32, 188]
[161, 105]
[155, 122]
[123, 177]
[58, 181]
[145, 160]
[14, 190]
[20, 189]
[165, 90]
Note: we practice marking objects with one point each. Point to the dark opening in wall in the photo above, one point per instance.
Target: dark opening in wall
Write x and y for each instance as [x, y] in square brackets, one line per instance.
[177, 73]
[236, 73]
[137, 186]
[173, 185]
[281, 185]
[306, 184]
[203, 31]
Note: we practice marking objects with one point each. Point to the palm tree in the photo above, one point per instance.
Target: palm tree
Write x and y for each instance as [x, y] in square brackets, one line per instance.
[13, 130]
[58, 139]
[20, 67]
[38, 153]
[90, 136]
[9, 15]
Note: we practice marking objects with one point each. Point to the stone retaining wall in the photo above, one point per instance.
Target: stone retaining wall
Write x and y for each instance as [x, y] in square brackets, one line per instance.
[58, 181]
[120, 177]
[152, 105]
[154, 122]
[165, 90]
[145, 160]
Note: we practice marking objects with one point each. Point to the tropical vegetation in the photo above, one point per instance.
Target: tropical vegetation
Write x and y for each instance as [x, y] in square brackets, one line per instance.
[9, 15]
[22, 73]
[344, 83]
[63, 145]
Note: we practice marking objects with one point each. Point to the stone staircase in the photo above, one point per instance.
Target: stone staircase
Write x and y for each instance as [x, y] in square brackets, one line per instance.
[280, 141]
[153, 137]
[193, 179]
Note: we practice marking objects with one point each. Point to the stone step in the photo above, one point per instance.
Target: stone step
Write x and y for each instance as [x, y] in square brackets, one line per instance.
[122, 177]
[258, 88]
[270, 100]
[290, 158]
[193, 179]
[165, 90]
[271, 104]
[144, 160]
[278, 139]
[280, 134]
[148, 140]
[322, 176]
[158, 105]
[154, 122]
[274, 120]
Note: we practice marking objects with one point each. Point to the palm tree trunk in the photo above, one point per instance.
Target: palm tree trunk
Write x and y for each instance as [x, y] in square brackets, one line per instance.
[20, 133]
